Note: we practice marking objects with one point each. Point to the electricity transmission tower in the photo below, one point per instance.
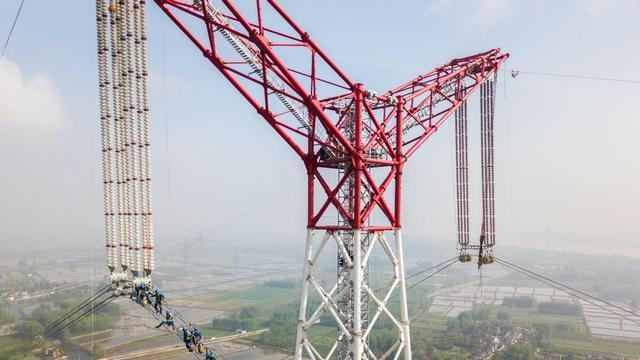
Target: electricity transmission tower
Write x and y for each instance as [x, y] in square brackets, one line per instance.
[354, 144]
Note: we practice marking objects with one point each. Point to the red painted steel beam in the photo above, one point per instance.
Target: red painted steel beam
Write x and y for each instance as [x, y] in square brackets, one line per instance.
[347, 126]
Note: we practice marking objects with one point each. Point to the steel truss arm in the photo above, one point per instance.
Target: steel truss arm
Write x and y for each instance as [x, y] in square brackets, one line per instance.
[248, 52]
[430, 99]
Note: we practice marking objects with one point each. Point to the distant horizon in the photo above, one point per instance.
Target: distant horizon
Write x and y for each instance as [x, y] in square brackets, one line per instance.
[566, 153]
[505, 249]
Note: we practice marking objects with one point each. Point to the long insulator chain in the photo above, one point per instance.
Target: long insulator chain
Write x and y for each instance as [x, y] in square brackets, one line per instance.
[129, 108]
[462, 175]
[487, 104]
[105, 132]
[491, 160]
[483, 156]
[144, 143]
[137, 144]
[116, 54]
[143, 173]
[125, 133]
[126, 125]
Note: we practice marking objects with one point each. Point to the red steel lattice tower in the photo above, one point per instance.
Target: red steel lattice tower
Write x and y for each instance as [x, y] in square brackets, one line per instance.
[354, 144]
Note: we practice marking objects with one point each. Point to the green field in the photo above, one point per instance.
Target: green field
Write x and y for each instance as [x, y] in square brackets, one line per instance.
[15, 349]
[234, 299]
[587, 347]
[529, 317]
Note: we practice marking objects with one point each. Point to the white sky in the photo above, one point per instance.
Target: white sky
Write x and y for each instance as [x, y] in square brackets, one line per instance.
[572, 167]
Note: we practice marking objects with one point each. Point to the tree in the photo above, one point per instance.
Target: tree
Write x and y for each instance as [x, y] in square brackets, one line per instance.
[466, 323]
[516, 352]
[481, 313]
[4, 317]
[97, 352]
[28, 329]
[248, 312]
[559, 308]
[543, 334]
[519, 301]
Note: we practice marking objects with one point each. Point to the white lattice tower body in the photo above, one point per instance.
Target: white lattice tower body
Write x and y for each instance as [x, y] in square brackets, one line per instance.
[355, 334]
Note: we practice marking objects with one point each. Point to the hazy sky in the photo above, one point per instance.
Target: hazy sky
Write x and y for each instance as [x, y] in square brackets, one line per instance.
[567, 149]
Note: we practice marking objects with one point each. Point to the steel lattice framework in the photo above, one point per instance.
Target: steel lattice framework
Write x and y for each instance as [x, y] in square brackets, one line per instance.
[354, 144]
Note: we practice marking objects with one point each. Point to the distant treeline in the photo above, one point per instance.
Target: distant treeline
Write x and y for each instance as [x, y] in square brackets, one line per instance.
[559, 308]
[44, 315]
[519, 301]
[555, 308]
[280, 284]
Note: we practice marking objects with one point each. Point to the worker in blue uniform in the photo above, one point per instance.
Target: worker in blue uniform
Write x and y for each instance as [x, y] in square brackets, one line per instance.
[197, 335]
[135, 292]
[187, 338]
[168, 320]
[140, 289]
[159, 297]
[147, 295]
[208, 355]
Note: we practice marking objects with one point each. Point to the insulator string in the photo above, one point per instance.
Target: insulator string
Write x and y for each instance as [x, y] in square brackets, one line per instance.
[124, 126]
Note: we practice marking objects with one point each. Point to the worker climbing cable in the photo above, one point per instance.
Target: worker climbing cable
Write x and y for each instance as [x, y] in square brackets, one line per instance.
[168, 320]
[140, 293]
[159, 298]
[135, 292]
[197, 336]
[147, 295]
[419, 107]
[187, 337]
[208, 355]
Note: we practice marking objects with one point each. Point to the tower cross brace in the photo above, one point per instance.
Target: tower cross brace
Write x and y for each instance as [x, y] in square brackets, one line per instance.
[354, 144]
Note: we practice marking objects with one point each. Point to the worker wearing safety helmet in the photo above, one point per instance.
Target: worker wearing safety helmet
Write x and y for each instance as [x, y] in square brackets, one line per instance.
[168, 320]
[197, 335]
[147, 295]
[187, 337]
[159, 297]
[208, 355]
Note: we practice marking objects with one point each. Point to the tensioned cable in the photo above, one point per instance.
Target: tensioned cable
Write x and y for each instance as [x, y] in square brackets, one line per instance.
[419, 273]
[167, 128]
[572, 289]
[72, 313]
[13, 26]
[568, 292]
[76, 320]
[155, 316]
[186, 323]
[245, 212]
[85, 315]
[418, 314]
[51, 291]
[104, 303]
[76, 309]
[427, 278]
[563, 288]
[509, 164]
[572, 76]
[431, 275]
[448, 215]
[449, 263]
[429, 269]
